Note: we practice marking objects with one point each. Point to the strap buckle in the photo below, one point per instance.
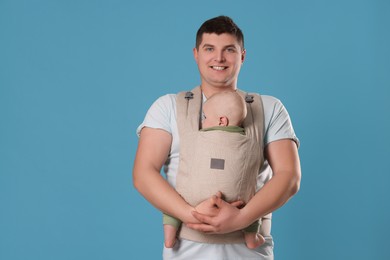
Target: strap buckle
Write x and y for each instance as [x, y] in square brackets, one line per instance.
[189, 95]
[249, 98]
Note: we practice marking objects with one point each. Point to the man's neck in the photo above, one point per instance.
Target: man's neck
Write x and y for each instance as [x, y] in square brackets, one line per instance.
[208, 91]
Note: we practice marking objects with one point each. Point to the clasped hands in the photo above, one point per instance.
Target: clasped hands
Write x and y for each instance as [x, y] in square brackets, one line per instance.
[217, 216]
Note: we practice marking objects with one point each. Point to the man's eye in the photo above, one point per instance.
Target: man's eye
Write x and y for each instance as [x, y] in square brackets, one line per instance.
[209, 49]
[231, 50]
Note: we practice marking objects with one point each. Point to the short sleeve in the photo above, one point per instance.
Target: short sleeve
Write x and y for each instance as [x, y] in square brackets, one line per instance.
[159, 114]
[277, 121]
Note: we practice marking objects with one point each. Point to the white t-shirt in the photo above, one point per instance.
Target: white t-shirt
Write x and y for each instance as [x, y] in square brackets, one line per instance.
[277, 125]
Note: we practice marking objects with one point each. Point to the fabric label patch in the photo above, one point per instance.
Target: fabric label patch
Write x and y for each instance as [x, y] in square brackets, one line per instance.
[218, 164]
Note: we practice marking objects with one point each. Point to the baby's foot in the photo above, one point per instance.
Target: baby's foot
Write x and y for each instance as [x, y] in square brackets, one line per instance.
[169, 236]
[255, 241]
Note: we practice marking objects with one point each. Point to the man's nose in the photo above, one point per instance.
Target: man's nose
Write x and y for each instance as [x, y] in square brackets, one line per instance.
[220, 57]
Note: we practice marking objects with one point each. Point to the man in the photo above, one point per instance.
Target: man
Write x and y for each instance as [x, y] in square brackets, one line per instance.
[219, 54]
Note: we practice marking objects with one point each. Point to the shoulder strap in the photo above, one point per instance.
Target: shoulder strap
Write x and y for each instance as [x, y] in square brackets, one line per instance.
[254, 121]
[188, 110]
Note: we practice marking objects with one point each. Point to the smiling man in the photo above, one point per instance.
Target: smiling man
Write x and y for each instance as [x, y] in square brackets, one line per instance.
[219, 54]
[219, 59]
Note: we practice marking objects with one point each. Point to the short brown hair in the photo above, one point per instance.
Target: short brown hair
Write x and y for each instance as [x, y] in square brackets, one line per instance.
[219, 25]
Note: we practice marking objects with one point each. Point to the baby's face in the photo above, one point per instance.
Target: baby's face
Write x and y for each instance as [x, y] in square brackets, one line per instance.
[208, 119]
[205, 120]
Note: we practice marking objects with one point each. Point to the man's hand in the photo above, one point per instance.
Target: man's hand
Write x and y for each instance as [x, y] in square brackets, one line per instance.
[217, 216]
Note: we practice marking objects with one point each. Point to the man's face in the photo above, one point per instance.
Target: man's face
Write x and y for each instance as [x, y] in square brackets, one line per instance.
[219, 59]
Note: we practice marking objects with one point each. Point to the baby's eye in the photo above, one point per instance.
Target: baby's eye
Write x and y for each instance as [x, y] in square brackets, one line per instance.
[203, 116]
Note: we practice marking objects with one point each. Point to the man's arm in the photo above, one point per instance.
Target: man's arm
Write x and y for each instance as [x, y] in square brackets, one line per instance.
[283, 158]
[153, 149]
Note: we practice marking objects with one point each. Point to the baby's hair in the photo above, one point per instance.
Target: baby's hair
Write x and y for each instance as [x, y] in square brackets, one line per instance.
[229, 104]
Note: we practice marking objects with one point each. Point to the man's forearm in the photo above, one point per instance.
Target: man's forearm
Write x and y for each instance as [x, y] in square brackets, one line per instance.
[160, 194]
[284, 160]
[152, 152]
[271, 197]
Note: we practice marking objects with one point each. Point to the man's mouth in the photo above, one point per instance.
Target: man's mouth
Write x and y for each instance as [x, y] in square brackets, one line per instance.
[218, 68]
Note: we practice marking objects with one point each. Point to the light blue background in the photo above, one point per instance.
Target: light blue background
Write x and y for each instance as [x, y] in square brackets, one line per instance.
[77, 77]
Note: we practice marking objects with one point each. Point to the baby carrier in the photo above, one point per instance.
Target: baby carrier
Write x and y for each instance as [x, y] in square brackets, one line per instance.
[212, 161]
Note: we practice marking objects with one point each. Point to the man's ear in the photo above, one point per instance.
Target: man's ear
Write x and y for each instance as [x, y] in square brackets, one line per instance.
[243, 55]
[195, 51]
[223, 121]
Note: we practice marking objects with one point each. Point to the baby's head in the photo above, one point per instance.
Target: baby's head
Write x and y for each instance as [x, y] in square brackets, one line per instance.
[224, 109]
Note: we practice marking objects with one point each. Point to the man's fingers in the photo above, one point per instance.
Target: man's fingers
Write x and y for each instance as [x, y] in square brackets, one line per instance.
[202, 227]
[217, 201]
[237, 204]
[202, 218]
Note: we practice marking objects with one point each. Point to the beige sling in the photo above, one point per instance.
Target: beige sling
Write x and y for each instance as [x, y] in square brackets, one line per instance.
[215, 161]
